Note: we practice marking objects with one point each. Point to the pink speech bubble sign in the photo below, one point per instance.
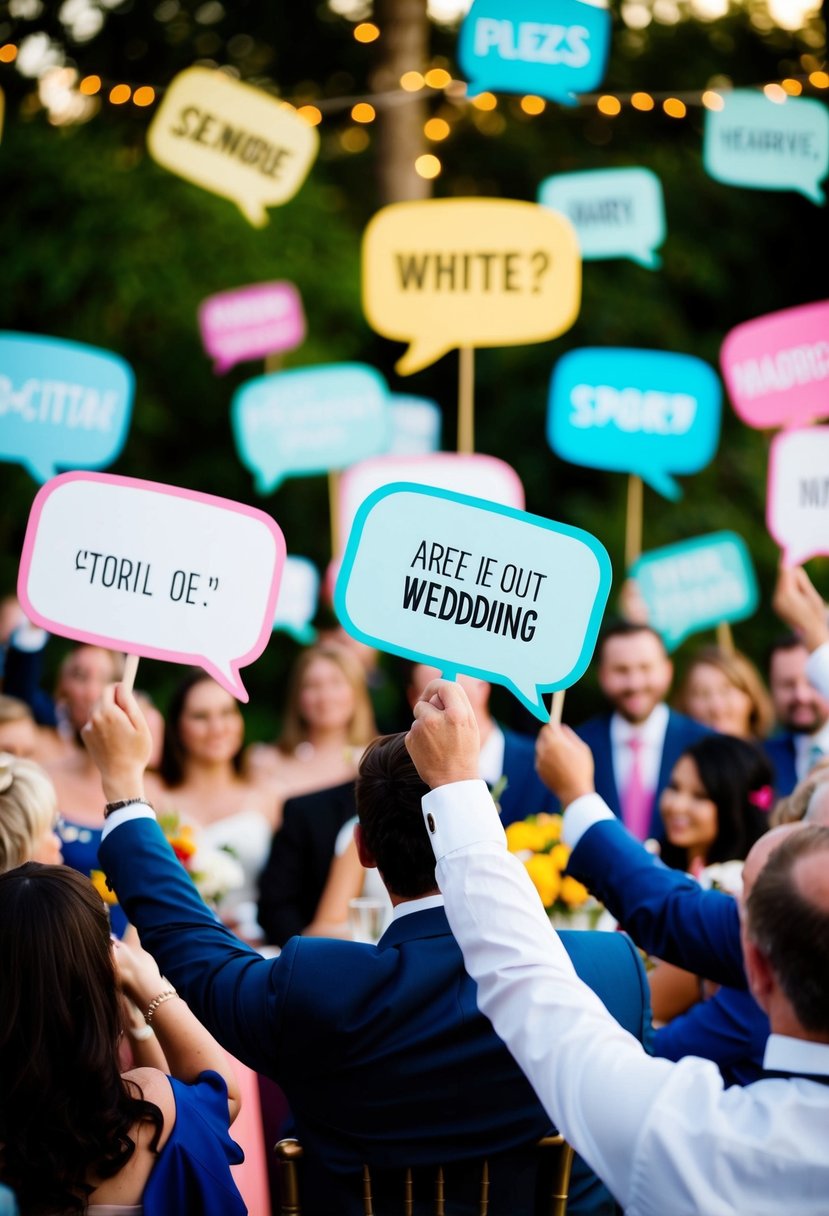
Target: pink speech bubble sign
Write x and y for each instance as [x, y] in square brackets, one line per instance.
[777, 367]
[797, 503]
[153, 570]
[251, 323]
[478, 476]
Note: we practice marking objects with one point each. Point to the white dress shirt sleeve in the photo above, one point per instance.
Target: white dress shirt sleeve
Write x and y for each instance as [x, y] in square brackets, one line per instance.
[581, 814]
[817, 669]
[593, 1078]
[136, 810]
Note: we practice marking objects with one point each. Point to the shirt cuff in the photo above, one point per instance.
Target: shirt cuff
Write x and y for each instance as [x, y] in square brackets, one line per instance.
[460, 814]
[817, 669]
[581, 814]
[138, 810]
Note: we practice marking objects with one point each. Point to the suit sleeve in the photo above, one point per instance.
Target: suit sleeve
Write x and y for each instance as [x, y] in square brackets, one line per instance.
[238, 995]
[730, 1029]
[665, 912]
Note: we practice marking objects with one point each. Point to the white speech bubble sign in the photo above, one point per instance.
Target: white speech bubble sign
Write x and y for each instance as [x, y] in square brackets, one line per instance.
[478, 476]
[469, 586]
[797, 505]
[297, 603]
[153, 570]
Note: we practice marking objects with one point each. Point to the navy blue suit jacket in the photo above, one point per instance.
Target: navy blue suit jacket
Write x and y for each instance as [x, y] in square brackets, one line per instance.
[381, 1050]
[781, 752]
[680, 734]
[669, 915]
[525, 793]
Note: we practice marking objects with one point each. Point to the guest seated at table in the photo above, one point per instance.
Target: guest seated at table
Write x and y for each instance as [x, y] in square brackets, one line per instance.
[78, 1136]
[380, 1049]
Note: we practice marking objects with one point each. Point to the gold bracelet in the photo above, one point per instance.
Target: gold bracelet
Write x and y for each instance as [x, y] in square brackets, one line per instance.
[156, 1001]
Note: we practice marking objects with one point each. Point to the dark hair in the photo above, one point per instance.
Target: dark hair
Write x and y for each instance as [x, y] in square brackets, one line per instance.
[731, 771]
[786, 642]
[173, 755]
[791, 930]
[388, 792]
[616, 627]
[65, 1110]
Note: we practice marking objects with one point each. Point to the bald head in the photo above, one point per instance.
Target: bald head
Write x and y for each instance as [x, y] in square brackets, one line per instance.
[817, 810]
[762, 850]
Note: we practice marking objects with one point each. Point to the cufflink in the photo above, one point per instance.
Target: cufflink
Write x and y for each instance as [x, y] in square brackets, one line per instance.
[430, 822]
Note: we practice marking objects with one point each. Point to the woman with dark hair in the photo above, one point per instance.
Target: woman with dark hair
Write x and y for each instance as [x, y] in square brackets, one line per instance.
[77, 1135]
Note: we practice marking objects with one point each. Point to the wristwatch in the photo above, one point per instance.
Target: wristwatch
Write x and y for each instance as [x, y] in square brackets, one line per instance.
[112, 807]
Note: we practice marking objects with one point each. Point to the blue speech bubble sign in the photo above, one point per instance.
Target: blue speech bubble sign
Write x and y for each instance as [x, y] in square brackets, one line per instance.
[297, 600]
[768, 145]
[648, 412]
[62, 404]
[554, 48]
[696, 584]
[471, 586]
[617, 213]
[415, 426]
[309, 421]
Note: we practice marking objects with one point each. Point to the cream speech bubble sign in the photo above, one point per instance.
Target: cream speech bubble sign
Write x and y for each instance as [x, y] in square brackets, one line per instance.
[797, 501]
[233, 140]
[446, 273]
[153, 570]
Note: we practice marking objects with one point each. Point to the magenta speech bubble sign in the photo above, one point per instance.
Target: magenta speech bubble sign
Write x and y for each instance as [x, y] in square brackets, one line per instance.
[251, 322]
[776, 367]
[152, 570]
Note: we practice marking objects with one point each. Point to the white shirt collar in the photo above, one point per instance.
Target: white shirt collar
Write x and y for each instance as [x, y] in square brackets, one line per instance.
[416, 905]
[784, 1054]
[651, 731]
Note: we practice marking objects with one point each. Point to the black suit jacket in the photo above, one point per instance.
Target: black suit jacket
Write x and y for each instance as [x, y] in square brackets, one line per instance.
[293, 880]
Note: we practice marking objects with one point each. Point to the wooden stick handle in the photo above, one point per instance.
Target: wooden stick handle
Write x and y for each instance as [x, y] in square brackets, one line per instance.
[466, 400]
[130, 668]
[725, 638]
[557, 708]
[334, 508]
[633, 521]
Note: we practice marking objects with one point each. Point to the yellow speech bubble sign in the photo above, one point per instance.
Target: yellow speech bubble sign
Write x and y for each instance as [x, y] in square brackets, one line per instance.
[469, 272]
[233, 140]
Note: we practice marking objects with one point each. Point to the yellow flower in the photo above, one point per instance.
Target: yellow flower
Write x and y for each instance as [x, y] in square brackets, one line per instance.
[551, 826]
[572, 892]
[99, 881]
[524, 835]
[560, 855]
[545, 877]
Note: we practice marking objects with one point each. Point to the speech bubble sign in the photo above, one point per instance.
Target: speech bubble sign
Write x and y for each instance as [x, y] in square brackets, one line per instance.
[297, 602]
[776, 368]
[452, 272]
[768, 145]
[555, 48]
[471, 586]
[233, 140]
[695, 584]
[648, 412]
[797, 501]
[62, 404]
[473, 475]
[251, 323]
[152, 570]
[415, 425]
[310, 420]
[617, 213]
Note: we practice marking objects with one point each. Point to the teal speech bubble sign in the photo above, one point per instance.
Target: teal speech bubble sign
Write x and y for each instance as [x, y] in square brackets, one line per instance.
[768, 145]
[62, 404]
[297, 600]
[696, 584]
[309, 421]
[617, 213]
[554, 48]
[416, 424]
[470, 586]
[648, 412]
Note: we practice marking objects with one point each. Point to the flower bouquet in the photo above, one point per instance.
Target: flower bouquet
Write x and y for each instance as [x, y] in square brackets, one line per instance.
[537, 842]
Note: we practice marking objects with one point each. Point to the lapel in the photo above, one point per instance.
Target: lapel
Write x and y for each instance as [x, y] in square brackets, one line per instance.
[431, 922]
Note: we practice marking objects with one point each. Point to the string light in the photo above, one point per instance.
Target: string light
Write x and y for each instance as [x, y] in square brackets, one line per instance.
[410, 82]
[145, 96]
[775, 93]
[436, 129]
[642, 101]
[363, 112]
[533, 105]
[712, 100]
[8, 53]
[820, 80]
[311, 114]
[119, 94]
[437, 78]
[90, 85]
[355, 139]
[609, 106]
[485, 101]
[674, 108]
[366, 31]
[427, 166]
[793, 87]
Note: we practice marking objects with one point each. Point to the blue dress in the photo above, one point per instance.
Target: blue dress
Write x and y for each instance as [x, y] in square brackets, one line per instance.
[192, 1174]
[79, 844]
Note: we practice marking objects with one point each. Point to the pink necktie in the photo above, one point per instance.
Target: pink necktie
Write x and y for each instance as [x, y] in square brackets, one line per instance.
[637, 802]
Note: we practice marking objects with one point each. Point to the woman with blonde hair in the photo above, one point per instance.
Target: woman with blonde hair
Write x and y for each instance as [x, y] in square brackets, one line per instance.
[28, 814]
[328, 723]
[724, 690]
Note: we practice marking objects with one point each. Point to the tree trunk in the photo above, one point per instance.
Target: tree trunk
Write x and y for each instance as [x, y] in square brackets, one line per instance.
[402, 47]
